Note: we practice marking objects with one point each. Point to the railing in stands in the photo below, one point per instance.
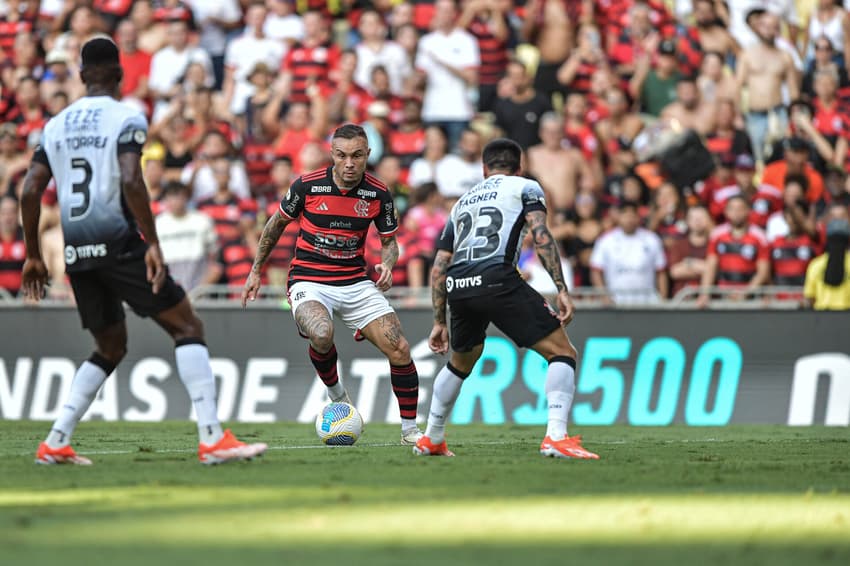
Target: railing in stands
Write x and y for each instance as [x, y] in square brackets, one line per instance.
[274, 296]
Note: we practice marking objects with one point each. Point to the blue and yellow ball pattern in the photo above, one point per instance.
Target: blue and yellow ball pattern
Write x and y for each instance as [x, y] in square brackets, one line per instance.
[339, 424]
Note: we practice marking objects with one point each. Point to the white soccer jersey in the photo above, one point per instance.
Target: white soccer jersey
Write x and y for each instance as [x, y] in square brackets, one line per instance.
[485, 232]
[81, 145]
[628, 263]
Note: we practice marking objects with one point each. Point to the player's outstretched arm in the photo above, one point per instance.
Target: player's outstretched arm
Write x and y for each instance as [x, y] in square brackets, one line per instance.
[268, 240]
[547, 251]
[389, 257]
[34, 271]
[138, 201]
[439, 339]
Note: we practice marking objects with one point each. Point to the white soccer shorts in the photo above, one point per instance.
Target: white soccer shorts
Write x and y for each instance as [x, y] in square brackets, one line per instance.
[356, 305]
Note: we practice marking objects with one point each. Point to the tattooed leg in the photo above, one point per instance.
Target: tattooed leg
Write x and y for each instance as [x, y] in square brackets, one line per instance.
[386, 334]
[315, 322]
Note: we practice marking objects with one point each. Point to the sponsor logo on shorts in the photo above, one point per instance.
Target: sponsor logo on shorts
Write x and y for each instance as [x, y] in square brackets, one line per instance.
[462, 282]
[73, 253]
[299, 295]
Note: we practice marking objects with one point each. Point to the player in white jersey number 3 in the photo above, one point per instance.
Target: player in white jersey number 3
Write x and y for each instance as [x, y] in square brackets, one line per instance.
[475, 274]
[92, 149]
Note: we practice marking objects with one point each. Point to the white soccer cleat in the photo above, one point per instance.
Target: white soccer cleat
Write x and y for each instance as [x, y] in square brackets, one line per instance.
[411, 436]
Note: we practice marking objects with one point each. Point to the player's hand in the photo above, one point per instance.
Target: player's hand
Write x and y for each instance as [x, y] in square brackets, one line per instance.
[156, 267]
[566, 309]
[34, 279]
[439, 339]
[385, 279]
[702, 301]
[252, 287]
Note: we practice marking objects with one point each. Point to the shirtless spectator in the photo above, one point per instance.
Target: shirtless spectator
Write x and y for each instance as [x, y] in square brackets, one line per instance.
[558, 169]
[518, 114]
[763, 70]
[688, 110]
[713, 35]
[549, 28]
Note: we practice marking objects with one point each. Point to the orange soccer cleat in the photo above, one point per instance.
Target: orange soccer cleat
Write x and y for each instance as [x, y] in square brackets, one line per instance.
[229, 449]
[569, 447]
[424, 447]
[65, 455]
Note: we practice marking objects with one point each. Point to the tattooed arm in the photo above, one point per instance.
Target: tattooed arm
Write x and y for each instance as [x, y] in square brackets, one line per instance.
[389, 257]
[439, 339]
[547, 251]
[268, 240]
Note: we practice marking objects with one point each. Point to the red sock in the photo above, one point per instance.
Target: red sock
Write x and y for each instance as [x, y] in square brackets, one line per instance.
[405, 382]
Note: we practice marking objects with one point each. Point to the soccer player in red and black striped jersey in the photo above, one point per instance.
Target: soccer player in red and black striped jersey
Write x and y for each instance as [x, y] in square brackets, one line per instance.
[328, 276]
[738, 253]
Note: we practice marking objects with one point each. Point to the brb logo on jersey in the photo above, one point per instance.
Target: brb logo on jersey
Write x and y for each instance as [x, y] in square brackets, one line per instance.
[361, 208]
[72, 254]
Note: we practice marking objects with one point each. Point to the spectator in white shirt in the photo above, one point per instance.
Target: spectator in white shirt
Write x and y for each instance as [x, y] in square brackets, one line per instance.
[198, 174]
[374, 49]
[452, 174]
[628, 262]
[169, 65]
[244, 53]
[216, 18]
[448, 58]
[187, 238]
[282, 22]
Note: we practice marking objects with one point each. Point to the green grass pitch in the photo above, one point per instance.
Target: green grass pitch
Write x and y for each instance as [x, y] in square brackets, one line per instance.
[658, 496]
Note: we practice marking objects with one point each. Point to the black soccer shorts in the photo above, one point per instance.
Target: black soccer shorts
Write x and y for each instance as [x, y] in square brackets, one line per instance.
[100, 292]
[521, 313]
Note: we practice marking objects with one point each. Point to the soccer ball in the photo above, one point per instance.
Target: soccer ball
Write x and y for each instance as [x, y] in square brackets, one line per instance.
[339, 424]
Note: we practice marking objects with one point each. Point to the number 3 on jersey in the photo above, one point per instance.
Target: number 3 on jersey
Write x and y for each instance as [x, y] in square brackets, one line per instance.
[82, 188]
[471, 230]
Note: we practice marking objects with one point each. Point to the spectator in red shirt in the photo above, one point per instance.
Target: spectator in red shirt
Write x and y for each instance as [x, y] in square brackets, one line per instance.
[311, 60]
[726, 137]
[738, 254]
[29, 114]
[686, 257]
[830, 119]
[577, 71]
[667, 216]
[579, 133]
[790, 254]
[349, 100]
[407, 140]
[764, 199]
[638, 39]
[409, 270]
[135, 63]
[12, 248]
[12, 23]
[488, 23]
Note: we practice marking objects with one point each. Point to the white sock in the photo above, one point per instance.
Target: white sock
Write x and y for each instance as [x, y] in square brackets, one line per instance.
[446, 389]
[560, 389]
[407, 424]
[336, 391]
[87, 382]
[193, 365]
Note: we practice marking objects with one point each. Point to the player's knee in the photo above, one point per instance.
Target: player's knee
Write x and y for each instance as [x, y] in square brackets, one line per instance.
[322, 337]
[192, 327]
[112, 353]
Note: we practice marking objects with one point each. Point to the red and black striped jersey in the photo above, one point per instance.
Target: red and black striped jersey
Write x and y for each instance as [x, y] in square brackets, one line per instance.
[737, 257]
[259, 158]
[236, 262]
[408, 146]
[305, 63]
[583, 76]
[12, 256]
[283, 252]
[9, 30]
[334, 224]
[408, 249]
[227, 215]
[790, 256]
[494, 51]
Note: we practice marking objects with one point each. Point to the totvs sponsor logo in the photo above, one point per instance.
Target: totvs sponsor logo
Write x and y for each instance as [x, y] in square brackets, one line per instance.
[88, 251]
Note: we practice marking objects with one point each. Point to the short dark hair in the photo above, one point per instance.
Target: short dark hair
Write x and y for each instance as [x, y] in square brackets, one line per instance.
[739, 197]
[349, 132]
[100, 51]
[283, 158]
[502, 154]
[628, 203]
[174, 187]
[801, 180]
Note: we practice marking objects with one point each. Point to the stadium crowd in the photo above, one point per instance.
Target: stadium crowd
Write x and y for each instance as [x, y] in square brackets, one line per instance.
[686, 142]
